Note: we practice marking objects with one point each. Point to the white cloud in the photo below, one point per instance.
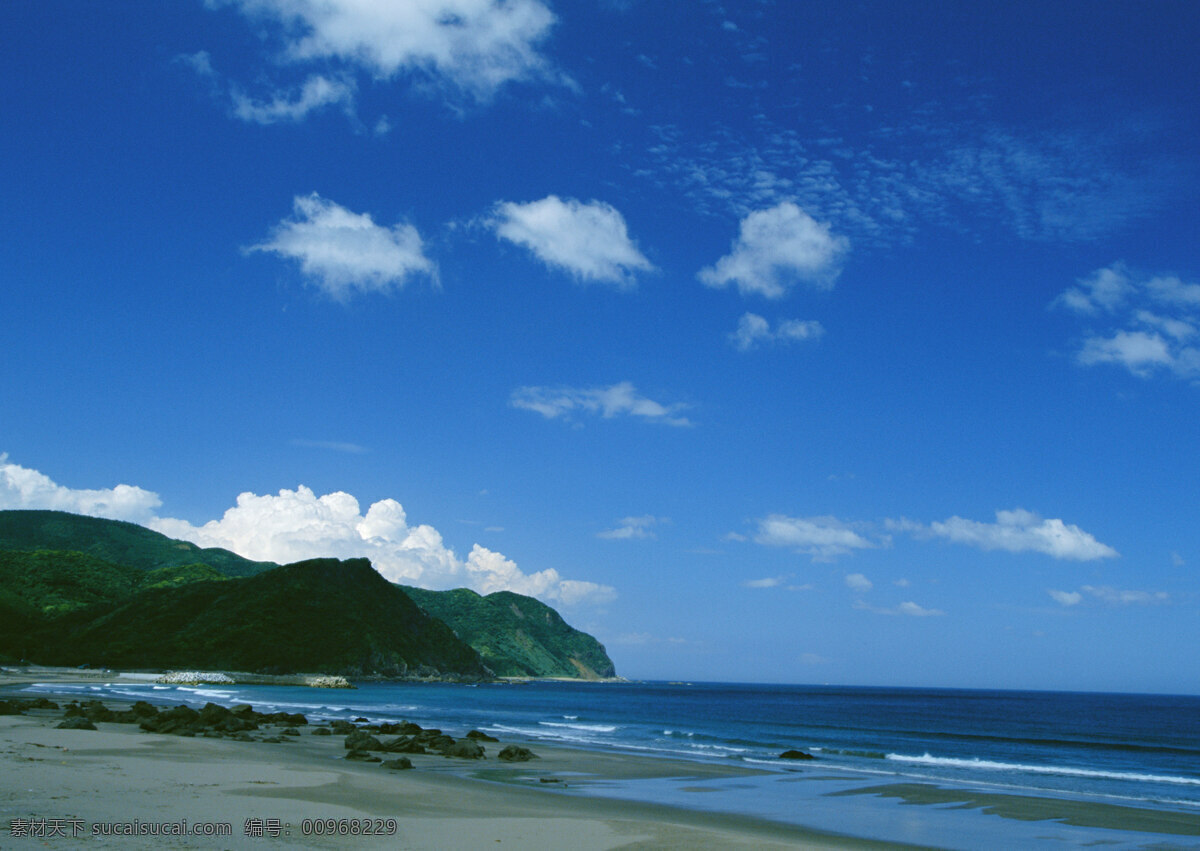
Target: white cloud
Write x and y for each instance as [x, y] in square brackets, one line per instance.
[1137, 351]
[774, 249]
[907, 608]
[858, 582]
[1150, 321]
[343, 252]
[765, 582]
[632, 527]
[616, 400]
[1066, 598]
[1023, 531]
[824, 538]
[331, 445]
[590, 241]
[473, 46]
[296, 525]
[753, 330]
[317, 91]
[23, 488]
[1108, 594]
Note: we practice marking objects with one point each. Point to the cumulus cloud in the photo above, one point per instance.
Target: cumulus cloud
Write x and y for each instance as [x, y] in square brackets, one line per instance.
[858, 582]
[630, 528]
[753, 331]
[1023, 531]
[343, 252]
[907, 608]
[589, 241]
[295, 525]
[473, 47]
[608, 402]
[824, 538]
[1147, 325]
[1066, 598]
[23, 488]
[317, 91]
[776, 248]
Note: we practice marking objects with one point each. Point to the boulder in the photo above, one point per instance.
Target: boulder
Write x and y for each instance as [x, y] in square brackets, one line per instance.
[515, 753]
[465, 749]
[76, 722]
[481, 737]
[362, 756]
[360, 740]
[398, 764]
[342, 728]
[321, 731]
[796, 755]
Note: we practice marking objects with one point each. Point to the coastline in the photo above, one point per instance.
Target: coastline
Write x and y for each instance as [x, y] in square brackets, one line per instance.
[626, 796]
[82, 780]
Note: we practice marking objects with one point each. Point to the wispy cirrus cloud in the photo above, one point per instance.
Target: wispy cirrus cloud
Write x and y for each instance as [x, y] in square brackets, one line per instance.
[316, 92]
[754, 331]
[589, 241]
[616, 400]
[775, 249]
[1109, 595]
[344, 253]
[1147, 324]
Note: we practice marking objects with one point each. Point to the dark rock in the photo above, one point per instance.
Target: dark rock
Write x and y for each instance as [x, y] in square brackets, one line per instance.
[465, 749]
[796, 755]
[288, 719]
[408, 728]
[41, 703]
[361, 720]
[342, 728]
[362, 741]
[142, 709]
[398, 764]
[290, 731]
[388, 729]
[362, 756]
[403, 744]
[321, 731]
[515, 753]
[274, 740]
[243, 737]
[77, 722]
[481, 737]
[243, 710]
[11, 707]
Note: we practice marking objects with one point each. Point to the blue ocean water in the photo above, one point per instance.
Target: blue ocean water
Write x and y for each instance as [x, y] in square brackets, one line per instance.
[1119, 749]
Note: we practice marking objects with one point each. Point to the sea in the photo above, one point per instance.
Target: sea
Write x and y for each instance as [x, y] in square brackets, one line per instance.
[940, 768]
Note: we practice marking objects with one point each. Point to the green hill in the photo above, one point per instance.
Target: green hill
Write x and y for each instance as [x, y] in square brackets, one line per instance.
[115, 541]
[77, 589]
[517, 636]
[321, 615]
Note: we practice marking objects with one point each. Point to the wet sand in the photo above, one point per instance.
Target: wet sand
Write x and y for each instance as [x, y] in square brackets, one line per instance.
[81, 782]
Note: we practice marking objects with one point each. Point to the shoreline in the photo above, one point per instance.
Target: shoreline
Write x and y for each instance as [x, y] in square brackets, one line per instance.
[91, 778]
[618, 794]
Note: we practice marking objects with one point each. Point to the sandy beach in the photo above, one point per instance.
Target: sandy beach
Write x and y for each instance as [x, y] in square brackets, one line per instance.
[68, 788]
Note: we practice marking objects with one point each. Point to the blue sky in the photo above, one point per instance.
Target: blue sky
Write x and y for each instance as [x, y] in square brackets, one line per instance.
[767, 341]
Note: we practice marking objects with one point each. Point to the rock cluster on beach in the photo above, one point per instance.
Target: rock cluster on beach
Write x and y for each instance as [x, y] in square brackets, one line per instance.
[215, 721]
